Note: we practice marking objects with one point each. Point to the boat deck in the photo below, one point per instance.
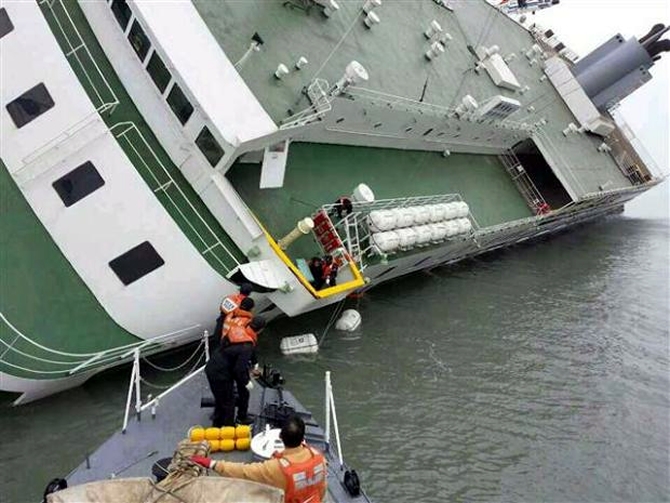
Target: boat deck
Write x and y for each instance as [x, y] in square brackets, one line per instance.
[318, 174]
[132, 454]
[392, 52]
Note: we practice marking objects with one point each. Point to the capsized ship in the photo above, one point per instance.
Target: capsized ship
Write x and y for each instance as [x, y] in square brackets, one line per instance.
[157, 154]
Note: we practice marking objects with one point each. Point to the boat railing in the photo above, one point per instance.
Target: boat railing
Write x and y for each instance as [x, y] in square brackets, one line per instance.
[136, 380]
[104, 98]
[211, 244]
[63, 363]
[331, 414]
[317, 92]
[393, 101]
[523, 182]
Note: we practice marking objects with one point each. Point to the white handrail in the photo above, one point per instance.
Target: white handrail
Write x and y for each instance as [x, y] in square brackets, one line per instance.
[330, 408]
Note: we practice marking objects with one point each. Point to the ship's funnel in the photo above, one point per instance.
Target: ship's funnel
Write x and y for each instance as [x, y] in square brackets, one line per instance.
[654, 29]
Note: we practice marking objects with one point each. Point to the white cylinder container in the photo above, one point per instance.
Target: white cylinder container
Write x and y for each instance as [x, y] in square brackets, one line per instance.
[406, 238]
[438, 232]
[423, 235]
[363, 194]
[371, 19]
[382, 220]
[387, 242]
[349, 321]
[330, 8]
[450, 211]
[299, 345]
[433, 29]
[452, 228]
[281, 71]
[371, 4]
[422, 215]
[462, 209]
[464, 225]
[405, 216]
[436, 212]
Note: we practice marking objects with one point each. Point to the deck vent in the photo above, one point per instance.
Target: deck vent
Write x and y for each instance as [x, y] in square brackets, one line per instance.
[281, 71]
[353, 74]
[445, 39]
[436, 49]
[467, 106]
[330, 7]
[371, 19]
[302, 61]
[434, 29]
[498, 107]
[369, 5]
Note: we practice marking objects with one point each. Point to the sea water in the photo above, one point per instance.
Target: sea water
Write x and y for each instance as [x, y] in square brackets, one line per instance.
[538, 373]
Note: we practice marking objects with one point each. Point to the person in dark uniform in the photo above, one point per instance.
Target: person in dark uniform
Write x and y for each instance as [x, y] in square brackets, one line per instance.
[315, 265]
[342, 205]
[228, 367]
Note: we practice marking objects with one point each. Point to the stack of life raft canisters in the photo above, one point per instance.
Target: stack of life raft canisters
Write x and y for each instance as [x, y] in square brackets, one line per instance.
[226, 438]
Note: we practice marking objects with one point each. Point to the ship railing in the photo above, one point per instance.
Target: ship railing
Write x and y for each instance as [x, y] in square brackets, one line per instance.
[317, 92]
[70, 363]
[331, 415]
[523, 182]
[166, 184]
[393, 101]
[78, 53]
[136, 380]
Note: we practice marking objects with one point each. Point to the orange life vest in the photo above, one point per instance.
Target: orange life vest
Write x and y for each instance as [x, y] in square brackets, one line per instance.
[231, 302]
[306, 480]
[238, 317]
[239, 334]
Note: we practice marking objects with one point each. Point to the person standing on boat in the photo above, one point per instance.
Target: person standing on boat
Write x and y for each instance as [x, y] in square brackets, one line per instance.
[228, 305]
[228, 367]
[299, 470]
[342, 205]
[329, 271]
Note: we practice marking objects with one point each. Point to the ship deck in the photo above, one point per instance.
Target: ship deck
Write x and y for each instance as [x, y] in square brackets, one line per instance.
[392, 52]
[317, 174]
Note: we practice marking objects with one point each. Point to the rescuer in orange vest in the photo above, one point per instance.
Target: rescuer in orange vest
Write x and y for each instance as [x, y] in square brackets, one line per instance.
[228, 305]
[228, 367]
[300, 470]
[241, 316]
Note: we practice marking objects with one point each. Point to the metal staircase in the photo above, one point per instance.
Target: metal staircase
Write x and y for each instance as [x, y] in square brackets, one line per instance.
[523, 182]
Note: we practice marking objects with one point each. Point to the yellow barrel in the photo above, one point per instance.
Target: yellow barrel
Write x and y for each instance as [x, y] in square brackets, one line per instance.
[196, 434]
[214, 445]
[242, 431]
[242, 444]
[227, 444]
[228, 432]
[212, 433]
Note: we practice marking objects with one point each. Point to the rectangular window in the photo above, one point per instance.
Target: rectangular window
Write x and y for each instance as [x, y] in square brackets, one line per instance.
[209, 146]
[384, 273]
[139, 41]
[136, 263]
[78, 183]
[30, 105]
[179, 104]
[122, 13]
[5, 23]
[159, 74]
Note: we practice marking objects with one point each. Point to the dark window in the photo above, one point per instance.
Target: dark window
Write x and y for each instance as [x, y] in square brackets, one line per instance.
[159, 74]
[5, 23]
[209, 146]
[269, 308]
[30, 105]
[78, 183]
[428, 132]
[422, 261]
[136, 263]
[139, 40]
[179, 104]
[122, 13]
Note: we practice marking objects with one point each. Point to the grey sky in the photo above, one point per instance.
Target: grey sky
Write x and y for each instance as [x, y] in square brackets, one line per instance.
[583, 25]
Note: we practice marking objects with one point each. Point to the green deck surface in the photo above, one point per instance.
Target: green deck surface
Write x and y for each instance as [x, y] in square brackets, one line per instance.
[182, 212]
[317, 174]
[392, 52]
[41, 295]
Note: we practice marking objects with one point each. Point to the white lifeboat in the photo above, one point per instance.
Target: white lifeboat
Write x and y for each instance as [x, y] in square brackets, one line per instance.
[381, 220]
[438, 232]
[386, 241]
[422, 214]
[423, 235]
[407, 238]
[349, 321]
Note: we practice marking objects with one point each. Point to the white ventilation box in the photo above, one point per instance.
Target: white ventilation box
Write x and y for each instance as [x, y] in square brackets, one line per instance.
[500, 73]
[498, 107]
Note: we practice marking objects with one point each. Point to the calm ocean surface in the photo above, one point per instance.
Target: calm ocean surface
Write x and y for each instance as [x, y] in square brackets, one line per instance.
[540, 373]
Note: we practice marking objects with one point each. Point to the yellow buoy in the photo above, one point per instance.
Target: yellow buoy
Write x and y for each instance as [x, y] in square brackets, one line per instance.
[242, 431]
[227, 444]
[242, 444]
[228, 432]
[214, 445]
[196, 434]
[212, 433]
